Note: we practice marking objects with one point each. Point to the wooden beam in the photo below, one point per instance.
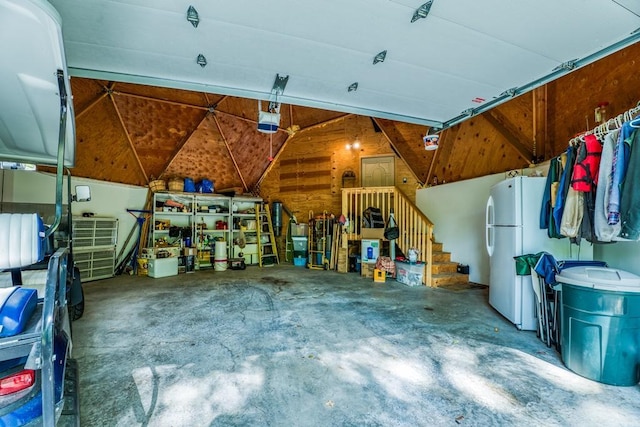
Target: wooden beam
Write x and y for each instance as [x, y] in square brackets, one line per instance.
[395, 149]
[181, 145]
[233, 159]
[91, 105]
[509, 132]
[126, 132]
[325, 123]
[275, 159]
[164, 101]
[184, 104]
[540, 123]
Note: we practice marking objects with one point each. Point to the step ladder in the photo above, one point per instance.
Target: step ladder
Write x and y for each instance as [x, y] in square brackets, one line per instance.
[267, 249]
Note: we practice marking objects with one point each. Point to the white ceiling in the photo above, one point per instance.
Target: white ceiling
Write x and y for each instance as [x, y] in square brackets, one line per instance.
[464, 55]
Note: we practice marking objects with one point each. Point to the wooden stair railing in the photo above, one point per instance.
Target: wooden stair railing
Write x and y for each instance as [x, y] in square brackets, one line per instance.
[416, 230]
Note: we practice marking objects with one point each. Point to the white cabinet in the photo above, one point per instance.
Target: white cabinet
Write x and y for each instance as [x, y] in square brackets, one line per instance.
[94, 246]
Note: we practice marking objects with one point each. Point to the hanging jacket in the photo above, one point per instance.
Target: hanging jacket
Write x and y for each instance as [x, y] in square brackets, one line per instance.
[630, 193]
[603, 230]
[563, 188]
[572, 214]
[585, 171]
[549, 197]
[618, 171]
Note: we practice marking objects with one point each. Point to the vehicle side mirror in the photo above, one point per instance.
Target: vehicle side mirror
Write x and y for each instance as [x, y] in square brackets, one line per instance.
[83, 193]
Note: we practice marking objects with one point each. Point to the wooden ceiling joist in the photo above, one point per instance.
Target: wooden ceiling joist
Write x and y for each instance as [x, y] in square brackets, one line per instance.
[509, 132]
[91, 105]
[325, 123]
[540, 124]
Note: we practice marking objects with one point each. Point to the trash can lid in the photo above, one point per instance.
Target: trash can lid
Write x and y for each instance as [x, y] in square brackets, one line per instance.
[604, 278]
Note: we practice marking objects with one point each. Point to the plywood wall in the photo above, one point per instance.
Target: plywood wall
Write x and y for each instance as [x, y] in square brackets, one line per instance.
[307, 176]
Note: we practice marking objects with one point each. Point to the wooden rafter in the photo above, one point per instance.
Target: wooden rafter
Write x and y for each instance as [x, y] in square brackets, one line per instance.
[182, 144]
[509, 132]
[325, 123]
[91, 105]
[395, 148]
[275, 159]
[233, 159]
[444, 150]
[126, 132]
[540, 123]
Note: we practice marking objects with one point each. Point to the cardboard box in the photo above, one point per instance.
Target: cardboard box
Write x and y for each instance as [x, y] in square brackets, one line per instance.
[410, 274]
[372, 233]
[366, 270]
[190, 251]
[370, 250]
[163, 267]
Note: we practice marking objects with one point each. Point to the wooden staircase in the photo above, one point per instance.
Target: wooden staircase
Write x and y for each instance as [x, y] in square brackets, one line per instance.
[416, 230]
[444, 272]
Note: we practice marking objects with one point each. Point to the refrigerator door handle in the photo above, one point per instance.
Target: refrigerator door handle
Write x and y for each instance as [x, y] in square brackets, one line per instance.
[489, 218]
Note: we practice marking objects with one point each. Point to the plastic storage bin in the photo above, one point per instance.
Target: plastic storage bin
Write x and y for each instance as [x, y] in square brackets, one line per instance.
[600, 324]
[163, 267]
[409, 273]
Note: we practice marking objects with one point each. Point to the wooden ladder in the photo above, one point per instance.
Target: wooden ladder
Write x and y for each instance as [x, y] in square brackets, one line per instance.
[267, 251]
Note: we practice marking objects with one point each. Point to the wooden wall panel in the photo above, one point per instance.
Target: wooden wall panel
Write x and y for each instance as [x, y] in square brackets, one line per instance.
[157, 129]
[250, 148]
[295, 164]
[205, 155]
[85, 92]
[573, 98]
[407, 139]
[305, 116]
[102, 149]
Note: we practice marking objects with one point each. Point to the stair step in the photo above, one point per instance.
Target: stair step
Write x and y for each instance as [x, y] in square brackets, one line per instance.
[444, 267]
[441, 256]
[436, 247]
[447, 279]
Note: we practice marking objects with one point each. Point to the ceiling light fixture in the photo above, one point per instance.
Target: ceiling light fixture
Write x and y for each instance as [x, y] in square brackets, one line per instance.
[422, 11]
[202, 61]
[352, 87]
[380, 57]
[193, 17]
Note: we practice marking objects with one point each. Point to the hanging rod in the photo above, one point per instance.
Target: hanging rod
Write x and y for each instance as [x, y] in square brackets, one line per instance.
[610, 125]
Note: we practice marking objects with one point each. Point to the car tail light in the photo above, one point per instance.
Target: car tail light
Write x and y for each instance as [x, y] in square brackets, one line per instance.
[17, 382]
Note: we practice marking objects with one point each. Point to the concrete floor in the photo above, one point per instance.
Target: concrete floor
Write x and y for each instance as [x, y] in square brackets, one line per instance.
[287, 346]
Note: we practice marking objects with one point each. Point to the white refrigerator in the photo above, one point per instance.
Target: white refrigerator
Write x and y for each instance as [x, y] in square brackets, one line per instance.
[512, 229]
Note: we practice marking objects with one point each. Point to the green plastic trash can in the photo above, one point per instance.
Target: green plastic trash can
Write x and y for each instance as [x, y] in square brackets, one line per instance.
[600, 324]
